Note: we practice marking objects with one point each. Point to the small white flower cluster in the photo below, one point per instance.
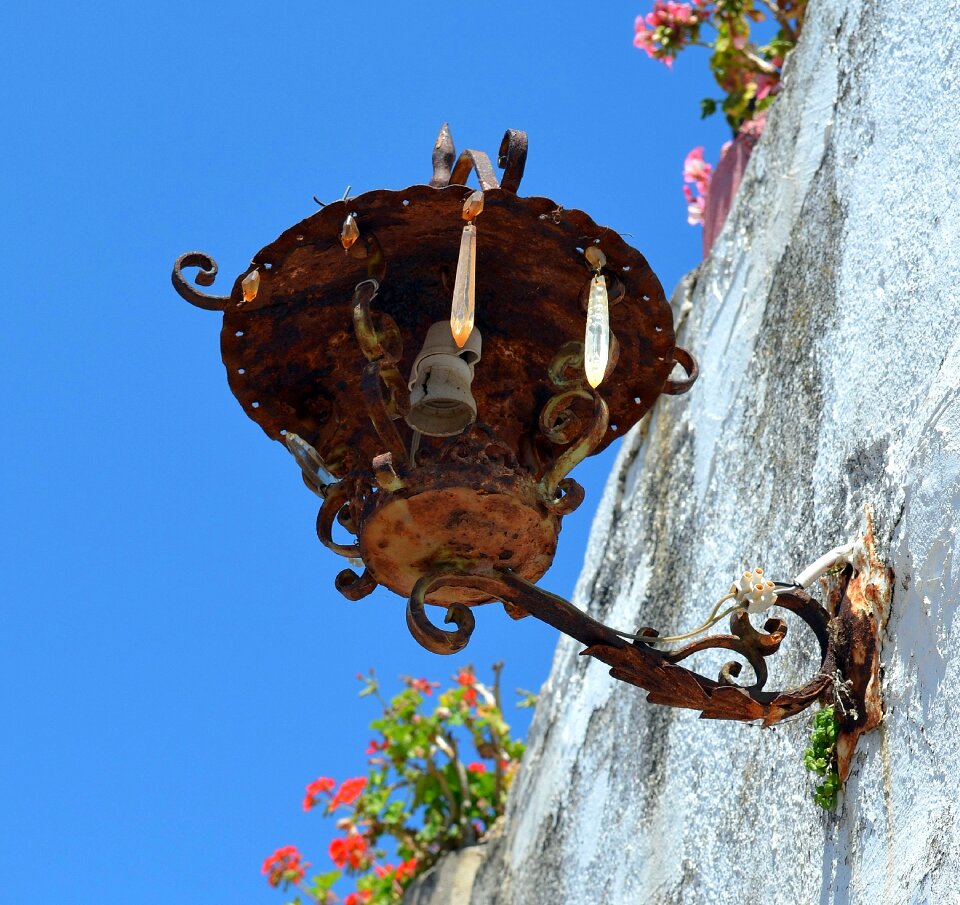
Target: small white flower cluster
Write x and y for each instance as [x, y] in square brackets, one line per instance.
[753, 590]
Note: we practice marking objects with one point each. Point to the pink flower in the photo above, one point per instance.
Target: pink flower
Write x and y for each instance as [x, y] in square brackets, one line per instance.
[422, 685]
[697, 171]
[695, 211]
[766, 84]
[643, 38]
[477, 767]
[666, 28]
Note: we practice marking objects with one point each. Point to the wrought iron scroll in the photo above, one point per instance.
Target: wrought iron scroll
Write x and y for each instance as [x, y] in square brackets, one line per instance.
[512, 158]
[689, 364]
[636, 662]
[434, 639]
[338, 497]
[559, 425]
[353, 586]
[206, 275]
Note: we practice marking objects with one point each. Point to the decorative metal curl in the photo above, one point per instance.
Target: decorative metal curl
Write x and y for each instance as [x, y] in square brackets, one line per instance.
[205, 277]
[579, 449]
[438, 640]
[353, 586]
[689, 364]
[559, 425]
[512, 158]
[338, 495]
[478, 161]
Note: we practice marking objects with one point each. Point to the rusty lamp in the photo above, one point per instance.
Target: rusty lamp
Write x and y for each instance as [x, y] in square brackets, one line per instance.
[437, 360]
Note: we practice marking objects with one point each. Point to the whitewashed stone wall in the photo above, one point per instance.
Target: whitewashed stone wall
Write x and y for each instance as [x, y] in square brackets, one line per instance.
[827, 325]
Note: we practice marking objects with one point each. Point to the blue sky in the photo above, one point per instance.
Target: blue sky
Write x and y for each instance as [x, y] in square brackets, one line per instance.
[176, 664]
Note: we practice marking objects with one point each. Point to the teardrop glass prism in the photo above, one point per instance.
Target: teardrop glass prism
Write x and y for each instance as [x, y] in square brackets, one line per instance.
[250, 285]
[596, 343]
[350, 232]
[464, 288]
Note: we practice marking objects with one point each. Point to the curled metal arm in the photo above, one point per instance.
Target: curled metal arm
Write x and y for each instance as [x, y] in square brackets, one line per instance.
[353, 586]
[475, 160]
[581, 447]
[689, 364]
[337, 497]
[205, 277]
[512, 158]
[438, 640]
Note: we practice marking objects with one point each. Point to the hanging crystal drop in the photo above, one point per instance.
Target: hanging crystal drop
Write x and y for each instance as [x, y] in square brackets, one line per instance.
[464, 288]
[596, 343]
[350, 232]
[473, 206]
[250, 285]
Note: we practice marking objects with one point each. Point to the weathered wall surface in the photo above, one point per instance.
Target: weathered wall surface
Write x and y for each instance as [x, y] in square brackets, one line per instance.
[827, 324]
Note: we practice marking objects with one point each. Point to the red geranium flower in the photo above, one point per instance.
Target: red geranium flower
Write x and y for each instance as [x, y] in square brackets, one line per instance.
[477, 767]
[350, 850]
[348, 792]
[314, 789]
[284, 865]
[407, 869]
[466, 677]
[383, 870]
[376, 746]
[357, 898]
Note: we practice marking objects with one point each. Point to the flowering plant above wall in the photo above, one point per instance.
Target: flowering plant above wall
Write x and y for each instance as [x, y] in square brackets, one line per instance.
[436, 782]
[747, 72]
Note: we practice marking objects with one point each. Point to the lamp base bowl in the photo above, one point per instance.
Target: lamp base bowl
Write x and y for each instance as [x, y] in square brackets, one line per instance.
[411, 533]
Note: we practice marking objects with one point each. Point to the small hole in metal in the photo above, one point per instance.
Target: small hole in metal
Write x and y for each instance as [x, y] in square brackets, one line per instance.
[579, 249]
[238, 333]
[299, 238]
[613, 427]
[626, 266]
[267, 265]
[406, 202]
[658, 329]
[283, 433]
[637, 400]
[255, 405]
[241, 370]
[646, 297]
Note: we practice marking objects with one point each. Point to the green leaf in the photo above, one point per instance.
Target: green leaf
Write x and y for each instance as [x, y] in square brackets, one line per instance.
[708, 106]
[321, 883]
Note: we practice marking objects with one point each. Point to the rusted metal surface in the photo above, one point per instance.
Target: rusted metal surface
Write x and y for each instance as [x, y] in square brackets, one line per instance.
[858, 629]
[467, 503]
[294, 366]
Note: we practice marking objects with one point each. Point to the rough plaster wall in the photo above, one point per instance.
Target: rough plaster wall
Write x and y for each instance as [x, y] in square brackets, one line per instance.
[826, 324]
